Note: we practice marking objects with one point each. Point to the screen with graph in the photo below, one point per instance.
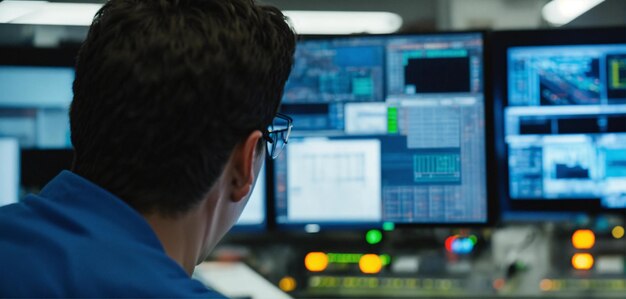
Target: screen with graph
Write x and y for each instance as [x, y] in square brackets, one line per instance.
[386, 129]
[565, 123]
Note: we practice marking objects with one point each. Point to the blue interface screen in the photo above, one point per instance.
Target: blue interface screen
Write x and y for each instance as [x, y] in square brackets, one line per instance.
[34, 105]
[565, 124]
[386, 129]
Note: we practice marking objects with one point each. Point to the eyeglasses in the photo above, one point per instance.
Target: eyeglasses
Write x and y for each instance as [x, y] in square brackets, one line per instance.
[277, 134]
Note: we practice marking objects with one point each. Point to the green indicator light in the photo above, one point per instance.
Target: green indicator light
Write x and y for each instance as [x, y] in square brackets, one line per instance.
[388, 226]
[344, 258]
[385, 259]
[373, 236]
[474, 239]
[392, 120]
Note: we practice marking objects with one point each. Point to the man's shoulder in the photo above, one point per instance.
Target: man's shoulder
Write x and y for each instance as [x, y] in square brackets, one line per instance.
[48, 254]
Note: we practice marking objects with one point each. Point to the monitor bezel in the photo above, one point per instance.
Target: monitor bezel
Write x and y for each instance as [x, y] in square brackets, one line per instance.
[502, 41]
[491, 199]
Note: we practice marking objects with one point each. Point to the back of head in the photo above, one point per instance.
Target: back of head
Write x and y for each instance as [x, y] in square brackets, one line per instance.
[165, 89]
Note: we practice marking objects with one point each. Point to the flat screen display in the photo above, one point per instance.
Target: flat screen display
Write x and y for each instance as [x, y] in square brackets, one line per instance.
[565, 123]
[386, 129]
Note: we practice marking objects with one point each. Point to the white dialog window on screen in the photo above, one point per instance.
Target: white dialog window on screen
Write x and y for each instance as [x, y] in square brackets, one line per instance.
[334, 180]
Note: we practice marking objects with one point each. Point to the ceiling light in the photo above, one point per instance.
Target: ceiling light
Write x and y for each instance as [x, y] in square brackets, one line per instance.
[561, 12]
[11, 10]
[47, 13]
[343, 22]
[304, 22]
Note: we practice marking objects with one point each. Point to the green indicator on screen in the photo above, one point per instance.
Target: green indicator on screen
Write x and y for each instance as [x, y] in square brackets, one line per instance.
[373, 236]
[388, 226]
[392, 120]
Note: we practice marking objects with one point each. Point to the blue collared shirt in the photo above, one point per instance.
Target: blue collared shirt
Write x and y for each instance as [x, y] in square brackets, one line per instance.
[76, 239]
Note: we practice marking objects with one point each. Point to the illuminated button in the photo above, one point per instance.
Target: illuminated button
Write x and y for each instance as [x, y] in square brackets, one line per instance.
[474, 239]
[618, 232]
[370, 264]
[316, 261]
[583, 239]
[459, 245]
[546, 285]
[373, 236]
[287, 284]
[582, 261]
[498, 284]
[388, 226]
[449, 242]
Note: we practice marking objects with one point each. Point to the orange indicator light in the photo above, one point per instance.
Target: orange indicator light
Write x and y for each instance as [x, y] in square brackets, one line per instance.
[316, 261]
[583, 239]
[370, 264]
[498, 284]
[582, 261]
[546, 285]
[287, 284]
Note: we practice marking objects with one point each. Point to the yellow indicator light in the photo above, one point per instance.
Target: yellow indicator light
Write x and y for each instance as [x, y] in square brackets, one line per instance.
[618, 232]
[583, 239]
[287, 284]
[316, 261]
[582, 261]
[370, 264]
[546, 285]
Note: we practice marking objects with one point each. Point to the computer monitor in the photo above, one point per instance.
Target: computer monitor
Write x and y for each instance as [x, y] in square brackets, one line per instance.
[36, 93]
[386, 129]
[562, 123]
[9, 171]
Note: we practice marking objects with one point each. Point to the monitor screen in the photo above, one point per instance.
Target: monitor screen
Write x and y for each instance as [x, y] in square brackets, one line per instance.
[9, 171]
[386, 129]
[565, 123]
[34, 105]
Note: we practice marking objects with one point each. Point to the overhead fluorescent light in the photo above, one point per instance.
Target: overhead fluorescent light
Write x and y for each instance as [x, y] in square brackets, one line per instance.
[47, 13]
[11, 10]
[561, 12]
[304, 22]
[343, 22]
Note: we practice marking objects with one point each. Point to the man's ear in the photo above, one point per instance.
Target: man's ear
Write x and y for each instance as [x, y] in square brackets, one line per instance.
[243, 160]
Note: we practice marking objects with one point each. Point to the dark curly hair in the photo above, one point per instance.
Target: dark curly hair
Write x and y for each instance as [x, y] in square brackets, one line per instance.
[165, 90]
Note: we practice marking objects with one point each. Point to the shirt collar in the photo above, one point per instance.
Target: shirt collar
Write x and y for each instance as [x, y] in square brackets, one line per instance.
[72, 190]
